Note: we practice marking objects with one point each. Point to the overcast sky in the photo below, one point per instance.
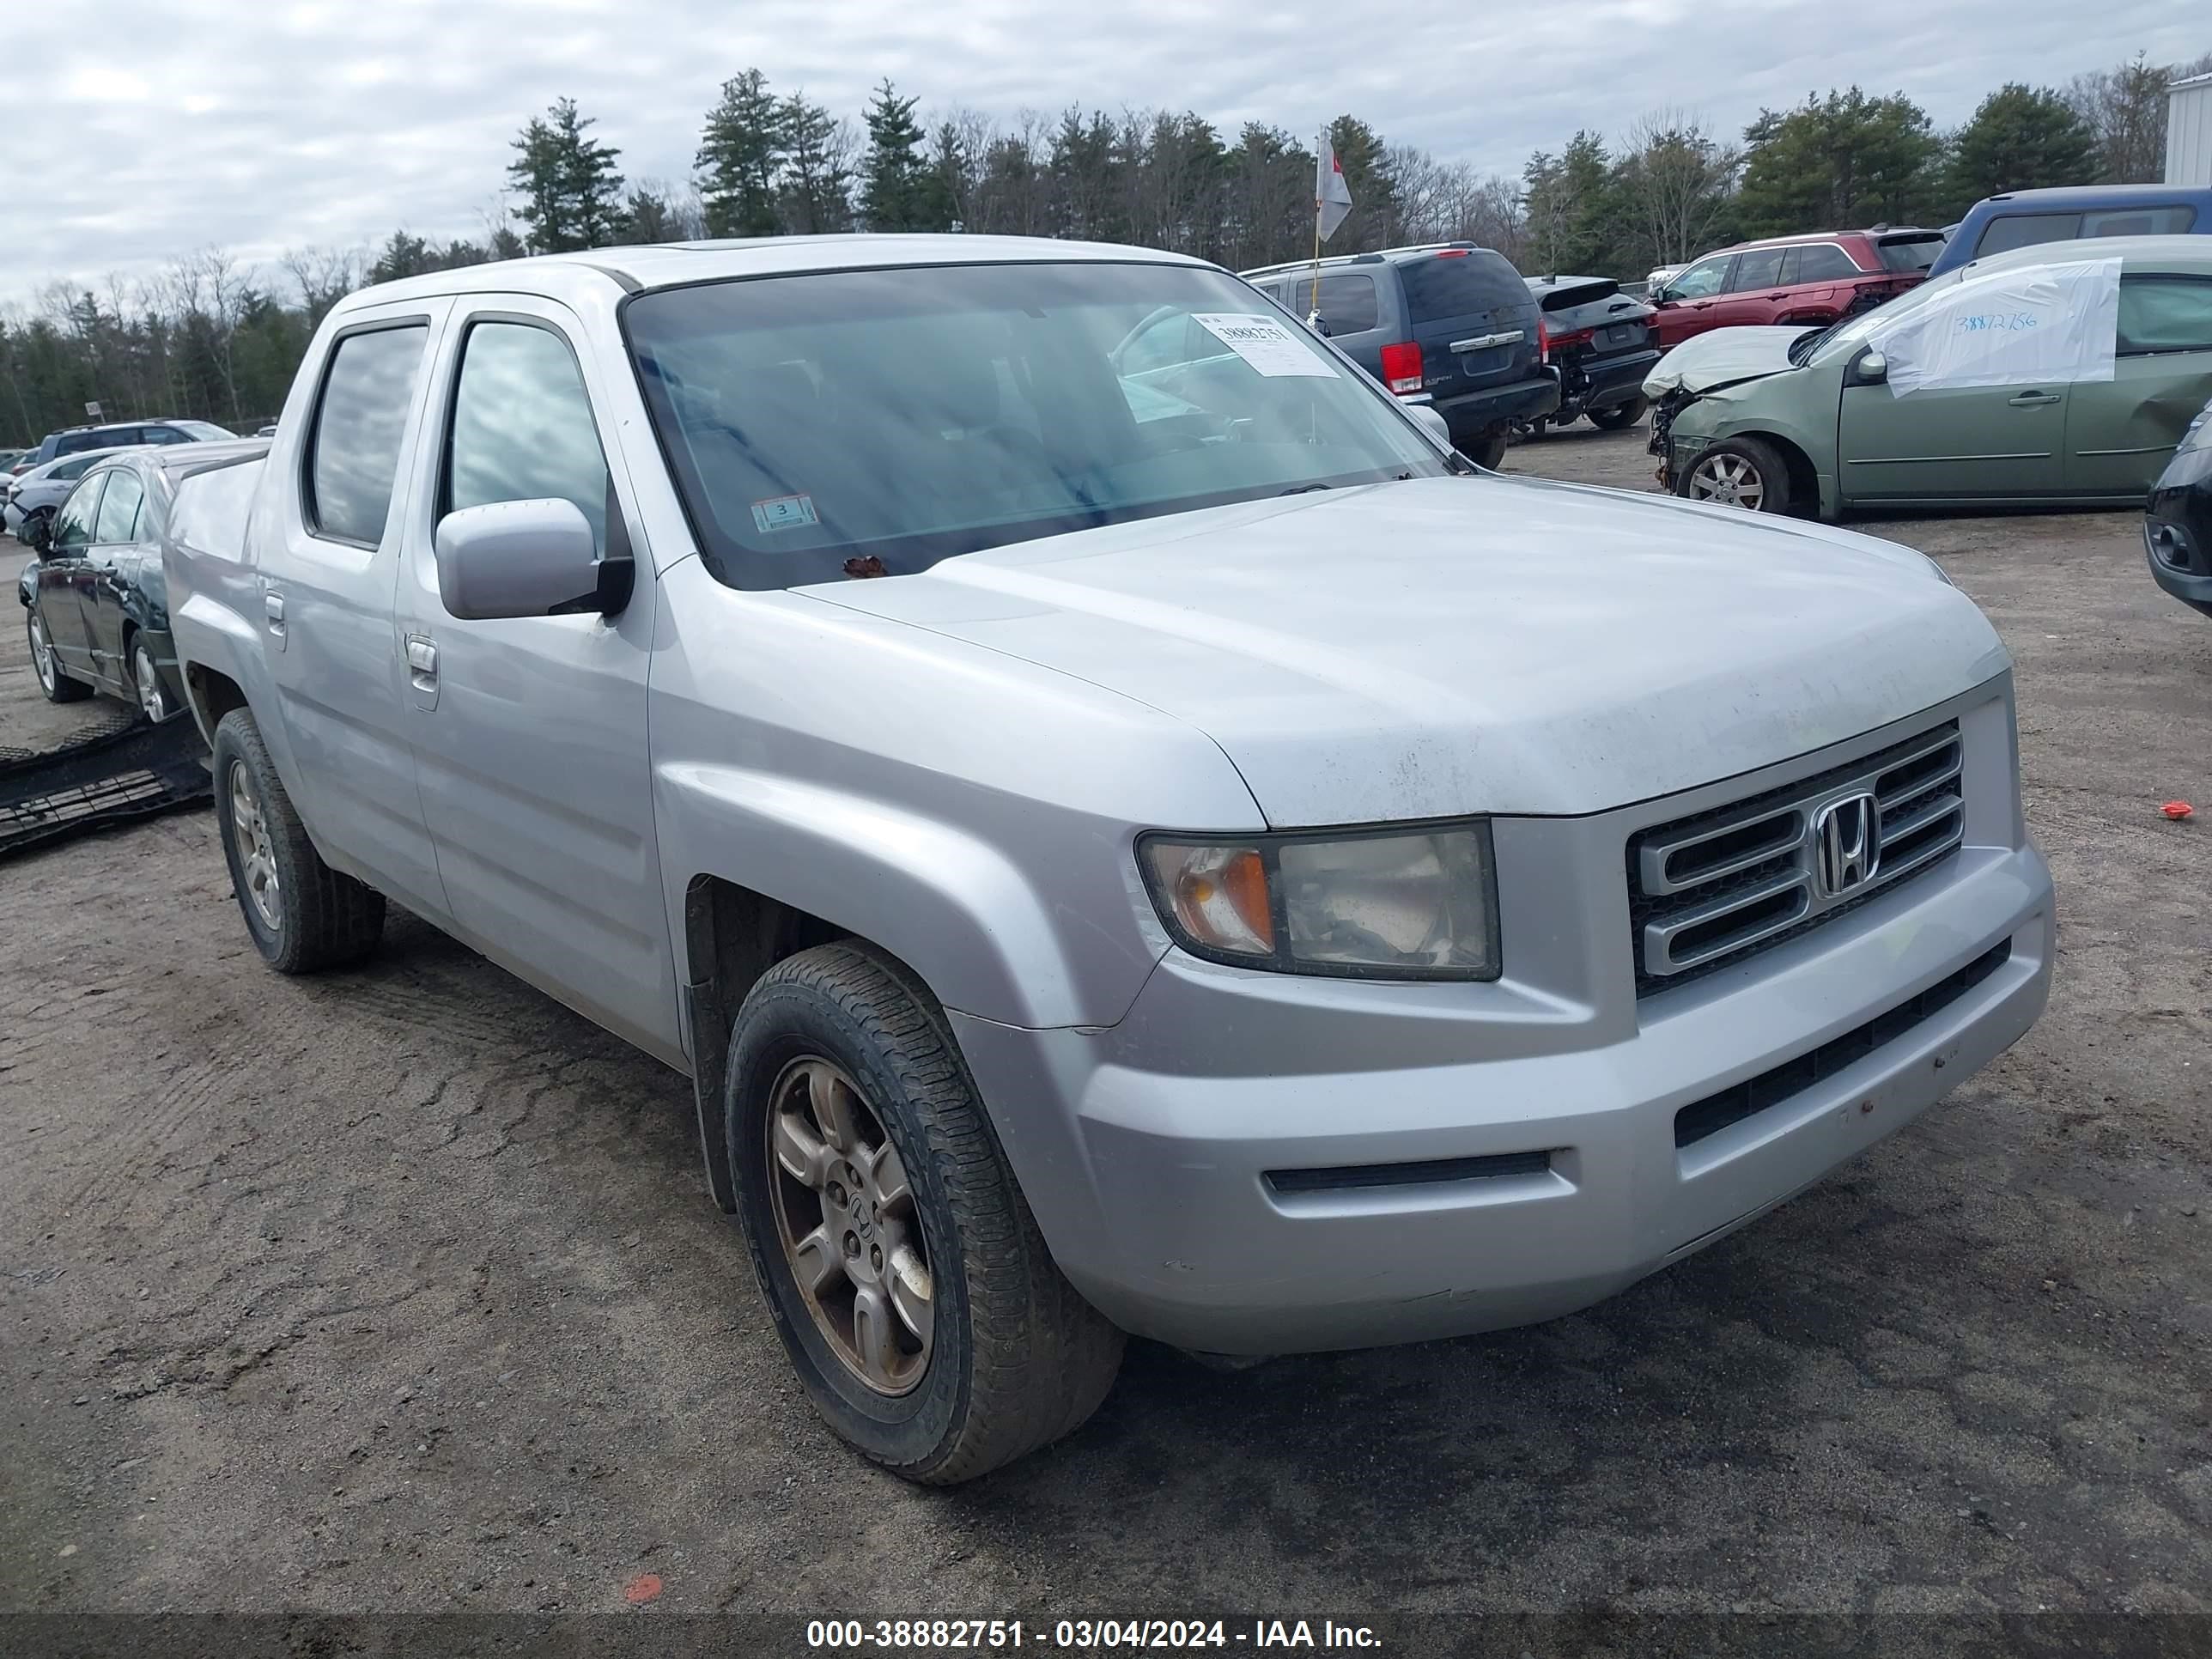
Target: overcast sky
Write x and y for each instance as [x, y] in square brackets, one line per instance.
[163, 125]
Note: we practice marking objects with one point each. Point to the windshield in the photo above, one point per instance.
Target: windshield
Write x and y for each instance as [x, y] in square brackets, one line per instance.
[1847, 332]
[875, 421]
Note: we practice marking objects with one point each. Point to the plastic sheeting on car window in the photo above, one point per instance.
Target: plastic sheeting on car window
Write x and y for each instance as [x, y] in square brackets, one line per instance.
[2051, 324]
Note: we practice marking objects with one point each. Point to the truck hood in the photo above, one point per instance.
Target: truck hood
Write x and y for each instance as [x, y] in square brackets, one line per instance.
[1727, 357]
[1439, 646]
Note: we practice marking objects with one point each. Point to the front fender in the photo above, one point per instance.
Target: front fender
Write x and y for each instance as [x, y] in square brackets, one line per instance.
[945, 902]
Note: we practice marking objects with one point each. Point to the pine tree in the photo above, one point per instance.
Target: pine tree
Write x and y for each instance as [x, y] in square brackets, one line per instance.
[740, 151]
[891, 178]
[816, 185]
[571, 192]
[2019, 138]
[945, 186]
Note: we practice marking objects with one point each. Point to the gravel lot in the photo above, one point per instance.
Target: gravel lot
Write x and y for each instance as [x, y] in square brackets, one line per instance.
[399, 1289]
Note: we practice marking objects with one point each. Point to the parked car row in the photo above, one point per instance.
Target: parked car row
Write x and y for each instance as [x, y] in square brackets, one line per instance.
[95, 600]
[117, 434]
[1830, 421]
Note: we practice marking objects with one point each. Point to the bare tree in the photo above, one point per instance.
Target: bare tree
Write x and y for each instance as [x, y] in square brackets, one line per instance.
[1676, 181]
[2125, 107]
[325, 275]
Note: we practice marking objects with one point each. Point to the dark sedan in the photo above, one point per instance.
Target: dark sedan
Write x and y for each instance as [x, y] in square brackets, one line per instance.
[2177, 522]
[94, 600]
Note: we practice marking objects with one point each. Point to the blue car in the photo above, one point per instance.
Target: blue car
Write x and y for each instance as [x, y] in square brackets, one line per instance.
[2023, 218]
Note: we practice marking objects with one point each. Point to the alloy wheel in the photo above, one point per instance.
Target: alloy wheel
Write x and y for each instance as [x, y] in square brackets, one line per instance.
[844, 1212]
[1728, 480]
[257, 854]
[157, 706]
[42, 654]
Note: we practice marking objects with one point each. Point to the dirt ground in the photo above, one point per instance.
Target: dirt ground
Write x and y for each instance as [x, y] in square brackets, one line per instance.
[399, 1289]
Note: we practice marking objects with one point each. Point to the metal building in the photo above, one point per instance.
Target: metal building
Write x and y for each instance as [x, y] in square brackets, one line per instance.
[2188, 131]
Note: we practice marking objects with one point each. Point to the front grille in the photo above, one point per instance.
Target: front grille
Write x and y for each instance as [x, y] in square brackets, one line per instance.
[1715, 1112]
[1711, 889]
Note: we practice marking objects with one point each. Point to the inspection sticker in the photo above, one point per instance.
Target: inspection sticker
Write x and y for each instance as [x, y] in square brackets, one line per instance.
[1265, 344]
[784, 513]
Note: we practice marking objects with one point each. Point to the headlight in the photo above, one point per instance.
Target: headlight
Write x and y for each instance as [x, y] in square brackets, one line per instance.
[2199, 435]
[1398, 904]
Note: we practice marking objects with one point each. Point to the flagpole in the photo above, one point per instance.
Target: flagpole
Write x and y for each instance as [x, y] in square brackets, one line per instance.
[1313, 304]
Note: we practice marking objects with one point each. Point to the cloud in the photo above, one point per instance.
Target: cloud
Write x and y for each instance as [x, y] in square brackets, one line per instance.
[169, 125]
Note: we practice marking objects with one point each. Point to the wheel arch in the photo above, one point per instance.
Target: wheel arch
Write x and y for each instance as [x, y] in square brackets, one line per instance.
[1804, 475]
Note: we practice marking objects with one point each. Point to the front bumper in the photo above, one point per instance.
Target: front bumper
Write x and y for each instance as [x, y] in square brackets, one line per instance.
[1153, 1154]
[2177, 530]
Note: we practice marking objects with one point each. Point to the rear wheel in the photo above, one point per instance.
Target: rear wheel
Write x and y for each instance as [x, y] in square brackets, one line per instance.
[303, 915]
[146, 680]
[1743, 472]
[1620, 417]
[907, 1277]
[1485, 449]
[53, 685]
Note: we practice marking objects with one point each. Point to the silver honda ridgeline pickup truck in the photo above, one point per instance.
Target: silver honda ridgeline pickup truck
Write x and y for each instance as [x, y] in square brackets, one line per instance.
[1126, 832]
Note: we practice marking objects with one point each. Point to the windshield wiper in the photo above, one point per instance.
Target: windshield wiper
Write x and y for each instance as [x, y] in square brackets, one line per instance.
[1301, 490]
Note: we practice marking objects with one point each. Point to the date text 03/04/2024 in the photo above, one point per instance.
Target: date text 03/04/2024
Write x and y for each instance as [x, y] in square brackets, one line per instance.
[984, 1634]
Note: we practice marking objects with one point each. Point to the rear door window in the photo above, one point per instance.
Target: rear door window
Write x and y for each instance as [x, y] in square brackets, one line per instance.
[2165, 313]
[2026, 230]
[2177, 221]
[118, 509]
[522, 425]
[353, 453]
[1760, 268]
[1461, 283]
[1348, 305]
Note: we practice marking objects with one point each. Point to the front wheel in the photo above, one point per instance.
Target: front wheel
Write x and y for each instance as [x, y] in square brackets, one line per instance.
[1487, 449]
[906, 1275]
[1743, 472]
[53, 685]
[1620, 417]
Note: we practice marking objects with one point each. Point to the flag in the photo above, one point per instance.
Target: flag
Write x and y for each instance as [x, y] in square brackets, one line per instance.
[1331, 196]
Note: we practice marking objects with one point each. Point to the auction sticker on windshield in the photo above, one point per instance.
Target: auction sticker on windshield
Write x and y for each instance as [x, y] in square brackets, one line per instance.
[1265, 344]
[784, 513]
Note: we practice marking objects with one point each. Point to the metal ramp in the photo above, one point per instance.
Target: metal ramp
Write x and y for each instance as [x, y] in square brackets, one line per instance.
[117, 773]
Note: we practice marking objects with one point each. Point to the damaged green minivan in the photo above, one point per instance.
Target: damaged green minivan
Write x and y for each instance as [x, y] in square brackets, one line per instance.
[2062, 374]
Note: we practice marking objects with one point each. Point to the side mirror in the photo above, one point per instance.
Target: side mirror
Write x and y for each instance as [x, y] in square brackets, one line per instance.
[38, 535]
[1431, 422]
[1873, 369]
[524, 559]
[1658, 295]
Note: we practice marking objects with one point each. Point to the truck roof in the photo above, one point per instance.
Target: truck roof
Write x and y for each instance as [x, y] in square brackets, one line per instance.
[670, 264]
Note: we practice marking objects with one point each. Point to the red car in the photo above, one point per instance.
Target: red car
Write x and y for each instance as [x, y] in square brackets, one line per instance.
[1814, 278]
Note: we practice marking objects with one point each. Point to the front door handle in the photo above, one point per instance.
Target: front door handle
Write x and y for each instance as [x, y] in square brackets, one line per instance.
[272, 612]
[422, 663]
[2034, 399]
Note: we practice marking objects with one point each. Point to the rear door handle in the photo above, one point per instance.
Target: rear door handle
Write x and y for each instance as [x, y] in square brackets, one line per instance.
[272, 612]
[2035, 399]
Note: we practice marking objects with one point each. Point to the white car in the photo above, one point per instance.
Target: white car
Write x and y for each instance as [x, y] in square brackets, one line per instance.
[36, 494]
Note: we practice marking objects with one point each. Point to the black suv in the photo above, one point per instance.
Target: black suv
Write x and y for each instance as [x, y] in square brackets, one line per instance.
[1449, 324]
[119, 434]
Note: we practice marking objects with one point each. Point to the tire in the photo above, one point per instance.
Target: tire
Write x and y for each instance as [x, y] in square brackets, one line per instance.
[146, 681]
[53, 685]
[1013, 1357]
[1620, 417]
[303, 915]
[1746, 473]
[1487, 449]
